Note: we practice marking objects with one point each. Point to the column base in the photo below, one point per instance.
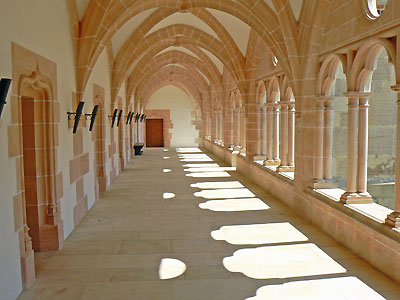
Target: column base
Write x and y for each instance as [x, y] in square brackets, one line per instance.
[282, 168]
[324, 184]
[259, 157]
[271, 162]
[28, 269]
[48, 237]
[393, 219]
[356, 198]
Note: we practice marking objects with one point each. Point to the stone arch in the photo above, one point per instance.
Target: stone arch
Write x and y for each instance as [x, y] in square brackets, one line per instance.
[261, 93]
[113, 17]
[273, 91]
[327, 73]
[177, 34]
[365, 63]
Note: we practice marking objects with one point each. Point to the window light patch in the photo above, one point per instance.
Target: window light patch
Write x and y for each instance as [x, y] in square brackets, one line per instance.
[374, 8]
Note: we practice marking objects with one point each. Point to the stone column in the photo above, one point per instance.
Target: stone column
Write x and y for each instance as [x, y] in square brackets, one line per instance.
[284, 138]
[276, 133]
[328, 141]
[263, 130]
[355, 155]
[291, 130]
[243, 129]
[363, 148]
[319, 144]
[269, 160]
[205, 125]
[231, 128]
[393, 219]
[238, 133]
[259, 129]
[221, 138]
[214, 124]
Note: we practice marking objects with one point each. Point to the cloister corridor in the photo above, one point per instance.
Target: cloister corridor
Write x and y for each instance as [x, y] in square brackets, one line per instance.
[179, 224]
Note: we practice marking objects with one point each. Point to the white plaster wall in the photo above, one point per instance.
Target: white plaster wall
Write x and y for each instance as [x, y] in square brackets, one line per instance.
[42, 27]
[181, 107]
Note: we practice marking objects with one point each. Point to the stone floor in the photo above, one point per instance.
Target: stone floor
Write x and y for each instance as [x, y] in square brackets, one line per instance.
[182, 226]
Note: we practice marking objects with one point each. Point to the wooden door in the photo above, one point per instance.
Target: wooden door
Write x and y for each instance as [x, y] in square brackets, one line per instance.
[154, 133]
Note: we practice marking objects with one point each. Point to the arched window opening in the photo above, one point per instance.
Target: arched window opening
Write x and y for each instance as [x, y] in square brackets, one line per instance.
[330, 154]
[382, 133]
[374, 8]
[339, 154]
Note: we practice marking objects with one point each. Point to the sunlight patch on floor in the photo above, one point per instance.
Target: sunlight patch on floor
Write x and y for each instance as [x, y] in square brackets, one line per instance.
[225, 193]
[216, 169]
[341, 288]
[171, 268]
[165, 150]
[218, 185]
[234, 205]
[282, 262]
[201, 165]
[209, 174]
[257, 234]
[188, 150]
[168, 195]
[166, 157]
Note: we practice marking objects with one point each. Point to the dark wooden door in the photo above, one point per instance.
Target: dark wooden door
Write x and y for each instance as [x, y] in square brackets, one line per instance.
[154, 133]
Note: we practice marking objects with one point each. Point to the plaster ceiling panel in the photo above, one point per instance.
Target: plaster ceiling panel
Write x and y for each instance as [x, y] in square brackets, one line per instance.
[127, 29]
[184, 18]
[238, 30]
[270, 4]
[295, 4]
[215, 60]
[81, 6]
[296, 7]
[179, 48]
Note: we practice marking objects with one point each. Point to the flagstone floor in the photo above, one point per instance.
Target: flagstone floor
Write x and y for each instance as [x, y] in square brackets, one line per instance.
[178, 224]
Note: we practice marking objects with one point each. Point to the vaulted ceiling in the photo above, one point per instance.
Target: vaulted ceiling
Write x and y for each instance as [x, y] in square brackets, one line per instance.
[188, 42]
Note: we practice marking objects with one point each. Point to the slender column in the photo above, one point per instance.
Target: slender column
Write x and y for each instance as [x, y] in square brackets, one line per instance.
[232, 127]
[263, 130]
[291, 131]
[362, 147]
[357, 156]
[214, 124]
[221, 137]
[243, 129]
[276, 132]
[393, 219]
[269, 160]
[319, 143]
[284, 137]
[328, 139]
[238, 127]
[259, 128]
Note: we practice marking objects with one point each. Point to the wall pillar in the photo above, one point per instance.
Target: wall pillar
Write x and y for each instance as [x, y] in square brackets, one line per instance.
[275, 135]
[263, 131]
[393, 219]
[357, 157]
[328, 142]
[319, 144]
[269, 114]
[284, 138]
[291, 131]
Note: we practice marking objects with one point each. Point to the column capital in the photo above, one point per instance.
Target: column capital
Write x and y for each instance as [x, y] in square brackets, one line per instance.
[325, 98]
[357, 95]
[396, 88]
